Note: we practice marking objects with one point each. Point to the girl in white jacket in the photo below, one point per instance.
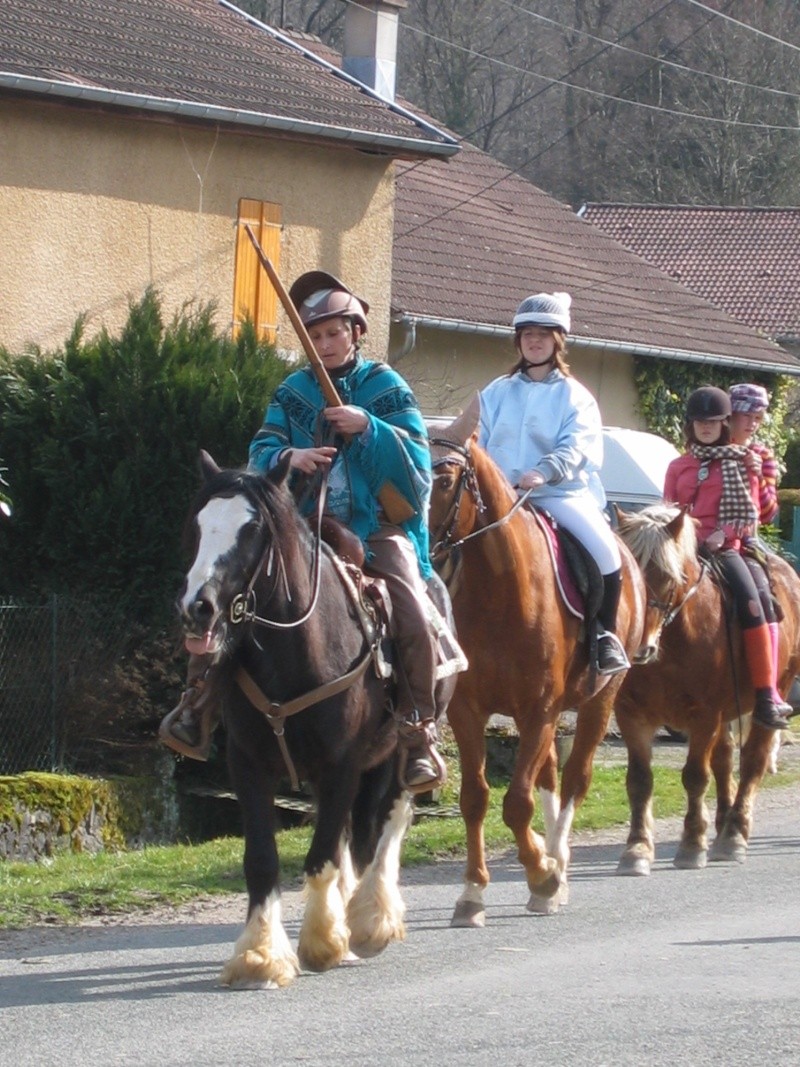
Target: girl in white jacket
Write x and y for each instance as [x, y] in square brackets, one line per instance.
[543, 429]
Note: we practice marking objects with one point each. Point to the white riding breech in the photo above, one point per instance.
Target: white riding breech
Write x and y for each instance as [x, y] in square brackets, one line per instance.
[584, 520]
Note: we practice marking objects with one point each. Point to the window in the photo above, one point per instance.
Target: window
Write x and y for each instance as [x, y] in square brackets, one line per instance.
[253, 295]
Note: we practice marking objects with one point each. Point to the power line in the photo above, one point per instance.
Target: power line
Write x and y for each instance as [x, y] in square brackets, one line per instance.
[689, 115]
[646, 55]
[743, 25]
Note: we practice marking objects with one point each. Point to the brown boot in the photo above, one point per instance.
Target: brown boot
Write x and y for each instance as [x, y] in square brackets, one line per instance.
[421, 766]
[187, 729]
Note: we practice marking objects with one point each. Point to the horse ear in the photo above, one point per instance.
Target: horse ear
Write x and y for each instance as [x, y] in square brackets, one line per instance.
[620, 517]
[674, 526]
[280, 471]
[208, 467]
[464, 425]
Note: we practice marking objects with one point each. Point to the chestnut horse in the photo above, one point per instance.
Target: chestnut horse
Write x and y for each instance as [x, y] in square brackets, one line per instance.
[295, 657]
[527, 659]
[691, 675]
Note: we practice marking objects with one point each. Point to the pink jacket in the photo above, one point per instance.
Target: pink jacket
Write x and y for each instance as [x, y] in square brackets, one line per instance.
[702, 498]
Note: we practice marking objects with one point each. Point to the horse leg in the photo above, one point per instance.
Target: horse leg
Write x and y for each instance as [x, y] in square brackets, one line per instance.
[576, 777]
[376, 910]
[731, 841]
[468, 729]
[722, 769]
[262, 956]
[639, 854]
[546, 783]
[695, 776]
[541, 870]
[324, 940]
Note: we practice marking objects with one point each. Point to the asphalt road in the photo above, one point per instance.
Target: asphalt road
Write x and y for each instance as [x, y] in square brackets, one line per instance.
[679, 968]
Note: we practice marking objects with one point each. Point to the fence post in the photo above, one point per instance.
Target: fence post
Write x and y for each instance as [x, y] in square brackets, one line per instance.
[53, 679]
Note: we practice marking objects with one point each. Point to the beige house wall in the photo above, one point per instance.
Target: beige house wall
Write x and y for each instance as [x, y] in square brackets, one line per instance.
[96, 207]
[445, 368]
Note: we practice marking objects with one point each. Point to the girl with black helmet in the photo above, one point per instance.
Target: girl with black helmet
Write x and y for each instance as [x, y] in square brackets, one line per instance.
[543, 429]
[714, 481]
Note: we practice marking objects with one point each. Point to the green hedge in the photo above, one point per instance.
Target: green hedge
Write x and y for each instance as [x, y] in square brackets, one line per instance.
[100, 440]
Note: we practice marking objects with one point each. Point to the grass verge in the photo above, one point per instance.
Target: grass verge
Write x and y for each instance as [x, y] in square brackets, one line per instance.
[70, 888]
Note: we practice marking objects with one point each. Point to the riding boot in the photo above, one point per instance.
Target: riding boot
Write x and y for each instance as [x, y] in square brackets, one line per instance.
[758, 653]
[783, 708]
[611, 656]
[421, 766]
[187, 729]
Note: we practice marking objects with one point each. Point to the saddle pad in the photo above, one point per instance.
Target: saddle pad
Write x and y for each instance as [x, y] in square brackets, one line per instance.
[570, 594]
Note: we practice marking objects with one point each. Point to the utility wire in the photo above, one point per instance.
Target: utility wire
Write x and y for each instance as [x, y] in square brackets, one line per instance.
[743, 25]
[646, 55]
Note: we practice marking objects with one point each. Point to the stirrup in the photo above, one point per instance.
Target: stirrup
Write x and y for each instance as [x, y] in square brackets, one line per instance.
[199, 751]
[421, 767]
[615, 658]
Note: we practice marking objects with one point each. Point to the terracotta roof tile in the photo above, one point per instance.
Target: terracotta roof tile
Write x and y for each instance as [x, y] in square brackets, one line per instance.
[472, 239]
[193, 51]
[745, 260]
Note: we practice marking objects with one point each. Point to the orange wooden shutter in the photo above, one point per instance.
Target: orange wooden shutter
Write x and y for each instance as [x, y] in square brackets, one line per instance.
[253, 295]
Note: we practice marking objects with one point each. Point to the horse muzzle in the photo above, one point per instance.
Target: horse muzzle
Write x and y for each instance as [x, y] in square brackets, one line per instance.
[645, 654]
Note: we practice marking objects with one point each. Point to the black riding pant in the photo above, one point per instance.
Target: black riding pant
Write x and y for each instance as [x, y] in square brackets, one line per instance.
[749, 587]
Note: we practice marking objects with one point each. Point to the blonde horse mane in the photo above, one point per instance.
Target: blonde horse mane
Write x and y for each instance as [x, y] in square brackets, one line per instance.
[653, 545]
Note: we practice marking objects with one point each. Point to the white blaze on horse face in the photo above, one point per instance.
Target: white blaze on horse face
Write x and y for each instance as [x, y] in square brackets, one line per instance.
[219, 523]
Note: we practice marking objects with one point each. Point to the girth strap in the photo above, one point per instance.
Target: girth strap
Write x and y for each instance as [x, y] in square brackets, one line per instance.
[275, 713]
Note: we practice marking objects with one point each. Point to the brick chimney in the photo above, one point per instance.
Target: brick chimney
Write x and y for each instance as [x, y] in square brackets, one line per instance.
[370, 43]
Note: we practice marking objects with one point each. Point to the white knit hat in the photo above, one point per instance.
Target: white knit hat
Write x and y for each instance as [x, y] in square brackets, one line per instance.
[544, 309]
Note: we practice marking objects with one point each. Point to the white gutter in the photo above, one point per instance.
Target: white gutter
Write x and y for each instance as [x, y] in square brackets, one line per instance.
[412, 323]
[214, 113]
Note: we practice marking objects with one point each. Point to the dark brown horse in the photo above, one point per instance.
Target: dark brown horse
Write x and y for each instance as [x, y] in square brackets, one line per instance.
[527, 659]
[295, 664]
[691, 675]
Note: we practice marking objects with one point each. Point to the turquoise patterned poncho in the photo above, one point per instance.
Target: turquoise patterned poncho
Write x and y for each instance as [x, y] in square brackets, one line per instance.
[393, 449]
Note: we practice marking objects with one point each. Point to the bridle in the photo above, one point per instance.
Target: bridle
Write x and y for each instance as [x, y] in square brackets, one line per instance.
[461, 456]
[243, 607]
[671, 608]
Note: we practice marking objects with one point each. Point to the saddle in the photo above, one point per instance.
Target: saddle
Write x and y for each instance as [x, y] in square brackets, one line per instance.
[578, 577]
[373, 604]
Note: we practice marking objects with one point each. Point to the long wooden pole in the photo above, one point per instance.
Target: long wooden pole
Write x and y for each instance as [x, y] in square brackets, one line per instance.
[394, 504]
[322, 376]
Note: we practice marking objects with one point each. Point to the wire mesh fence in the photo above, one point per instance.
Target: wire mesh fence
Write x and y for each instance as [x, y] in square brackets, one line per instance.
[51, 653]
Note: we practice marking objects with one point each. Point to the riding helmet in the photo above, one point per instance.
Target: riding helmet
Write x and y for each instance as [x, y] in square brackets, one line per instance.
[318, 296]
[708, 403]
[544, 309]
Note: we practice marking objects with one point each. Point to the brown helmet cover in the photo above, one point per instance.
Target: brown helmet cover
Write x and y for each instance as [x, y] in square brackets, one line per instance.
[318, 296]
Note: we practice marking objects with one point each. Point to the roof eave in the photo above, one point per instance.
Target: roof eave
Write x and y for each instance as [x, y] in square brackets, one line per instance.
[486, 329]
[376, 142]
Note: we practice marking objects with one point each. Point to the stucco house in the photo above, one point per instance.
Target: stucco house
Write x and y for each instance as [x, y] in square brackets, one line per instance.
[745, 260]
[136, 140]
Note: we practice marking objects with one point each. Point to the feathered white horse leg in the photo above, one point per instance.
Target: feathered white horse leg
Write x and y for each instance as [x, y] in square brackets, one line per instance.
[262, 956]
[324, 937]
[376, 910]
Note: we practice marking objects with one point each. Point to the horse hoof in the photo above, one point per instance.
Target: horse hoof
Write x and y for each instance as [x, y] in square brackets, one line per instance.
[690, 859]
[631, 866]
[469, 914]
[728, 850]
[542, 905]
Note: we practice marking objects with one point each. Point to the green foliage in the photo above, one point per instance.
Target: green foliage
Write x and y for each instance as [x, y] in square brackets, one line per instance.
[664, 387]
[101, 439]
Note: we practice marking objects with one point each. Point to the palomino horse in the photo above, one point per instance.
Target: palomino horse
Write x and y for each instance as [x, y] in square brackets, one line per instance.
[691, 675]
[527, 659]
[294, 654]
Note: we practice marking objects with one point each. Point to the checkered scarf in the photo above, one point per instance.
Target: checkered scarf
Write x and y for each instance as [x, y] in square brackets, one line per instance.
[736, 508]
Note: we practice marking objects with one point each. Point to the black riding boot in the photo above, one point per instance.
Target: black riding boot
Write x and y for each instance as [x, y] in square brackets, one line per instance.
[611, 657]
[421, 766]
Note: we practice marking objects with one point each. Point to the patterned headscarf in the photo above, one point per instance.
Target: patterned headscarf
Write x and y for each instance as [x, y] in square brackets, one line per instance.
[736, 508]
